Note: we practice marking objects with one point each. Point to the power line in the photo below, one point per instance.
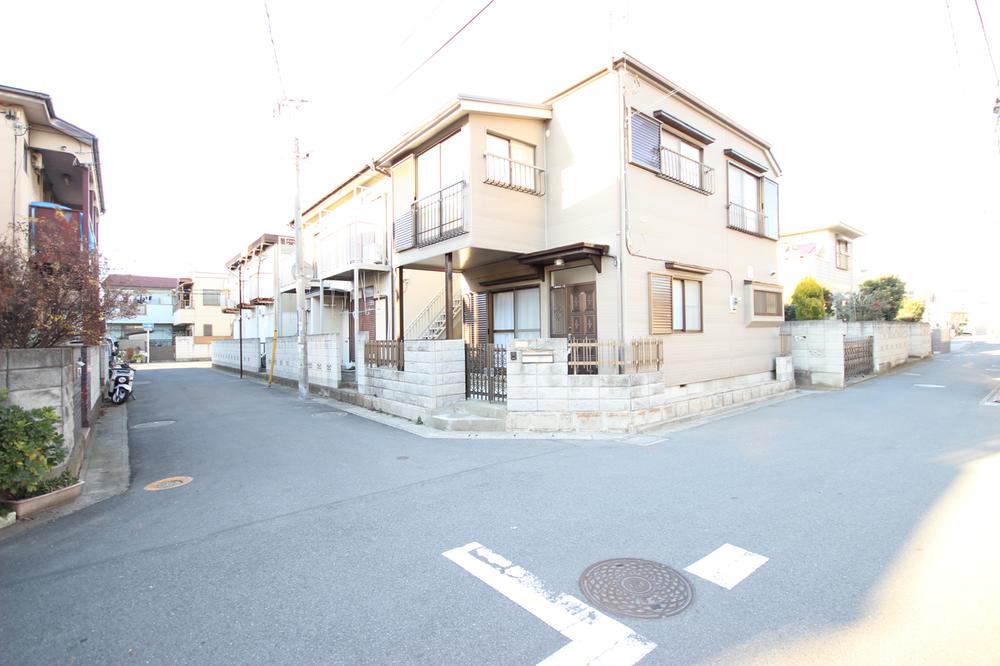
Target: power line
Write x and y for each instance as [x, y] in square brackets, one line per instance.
[440, 48]
[274, 49]
[988, 49]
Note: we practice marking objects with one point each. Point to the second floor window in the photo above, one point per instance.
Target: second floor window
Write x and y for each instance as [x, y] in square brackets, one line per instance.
[510, 163]
[753, 203]
[680, 160]
[441, 166]
[677, 159]
[211, 297]
[844, 255]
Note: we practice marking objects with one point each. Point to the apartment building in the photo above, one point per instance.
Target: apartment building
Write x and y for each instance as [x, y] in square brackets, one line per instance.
[198, 307]
[51, 173]
[621, 208]
[829, 254]
[155, 315]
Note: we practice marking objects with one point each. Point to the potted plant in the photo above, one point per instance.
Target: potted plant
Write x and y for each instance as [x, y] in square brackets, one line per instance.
[30, 446]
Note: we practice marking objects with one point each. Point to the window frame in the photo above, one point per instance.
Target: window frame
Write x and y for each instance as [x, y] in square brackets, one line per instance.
[761, 206]
[701, 187]
[513, 331]
[779, 310]
[206, 330]
[509, 179]
[846, 256]
[440, 163]
[215, 292]
[683, 280]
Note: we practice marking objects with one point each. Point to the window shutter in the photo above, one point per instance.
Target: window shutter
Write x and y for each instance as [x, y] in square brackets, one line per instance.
[660, 304]
[645, 141]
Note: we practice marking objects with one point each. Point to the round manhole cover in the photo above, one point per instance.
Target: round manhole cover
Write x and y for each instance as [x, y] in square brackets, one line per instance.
[636, 588]
[152, 424]
[169, 483]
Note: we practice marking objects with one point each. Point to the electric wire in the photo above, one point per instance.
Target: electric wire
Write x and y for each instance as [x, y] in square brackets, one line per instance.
[986, 39]
[440, 48]
[274, 49]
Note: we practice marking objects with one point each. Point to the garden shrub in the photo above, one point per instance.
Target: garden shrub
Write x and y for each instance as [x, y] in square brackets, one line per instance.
[30, 446]
[808, 300]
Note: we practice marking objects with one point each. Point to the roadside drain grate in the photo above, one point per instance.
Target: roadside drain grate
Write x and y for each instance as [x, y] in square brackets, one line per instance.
[636, 588]
[169, 483]
[152, 424]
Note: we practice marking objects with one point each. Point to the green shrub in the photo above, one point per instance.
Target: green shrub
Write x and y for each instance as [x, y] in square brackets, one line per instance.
[885, 294]
[912, 310]
[808, 300]
[30, 445]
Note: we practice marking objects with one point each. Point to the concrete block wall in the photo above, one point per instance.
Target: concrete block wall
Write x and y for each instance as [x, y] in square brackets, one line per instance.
[322, 350]
[45, 378]
[920, 340]
[817, 352]
[891, 341]
[185, 349]
[543, 397]
[226, 354]
[433, 377]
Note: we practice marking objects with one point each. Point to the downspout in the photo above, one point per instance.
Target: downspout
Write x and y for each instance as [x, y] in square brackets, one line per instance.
[623, 207]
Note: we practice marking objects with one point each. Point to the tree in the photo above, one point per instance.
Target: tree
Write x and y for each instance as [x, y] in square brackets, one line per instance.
[912, 310]
[52, 293]
[808, 300]
[885, 294]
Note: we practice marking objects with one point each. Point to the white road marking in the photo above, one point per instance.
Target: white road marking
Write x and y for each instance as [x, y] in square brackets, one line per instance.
[930, 386]
[594, 637]
[912, 374]
[727, 565]
[647, 440]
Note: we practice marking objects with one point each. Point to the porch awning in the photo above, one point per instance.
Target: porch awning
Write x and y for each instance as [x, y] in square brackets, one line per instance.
[574, 252]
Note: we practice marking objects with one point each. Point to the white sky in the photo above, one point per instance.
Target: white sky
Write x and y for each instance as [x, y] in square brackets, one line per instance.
[874, 118]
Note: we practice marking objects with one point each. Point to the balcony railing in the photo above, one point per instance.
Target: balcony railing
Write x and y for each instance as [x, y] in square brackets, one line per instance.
[358, 243]
[686, 171]
[504, 172]
[750, 221]
[439, 216]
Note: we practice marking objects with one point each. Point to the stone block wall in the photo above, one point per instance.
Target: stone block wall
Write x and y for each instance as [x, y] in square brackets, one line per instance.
[226, 354]
[543, 397]
[920, 340]
[185, 349]
[433, 377]
[817, 352]
[322, 350]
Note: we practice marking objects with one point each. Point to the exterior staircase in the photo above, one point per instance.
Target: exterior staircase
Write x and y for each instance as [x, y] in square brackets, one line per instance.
[431, 323]
[470, 415]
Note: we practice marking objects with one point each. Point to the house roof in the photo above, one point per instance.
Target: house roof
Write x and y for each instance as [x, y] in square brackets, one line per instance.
[838, 228]
[262, 243]
[140, 281]
[38, 107]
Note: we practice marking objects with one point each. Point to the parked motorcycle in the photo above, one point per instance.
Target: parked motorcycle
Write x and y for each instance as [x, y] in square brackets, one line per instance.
[120, 387]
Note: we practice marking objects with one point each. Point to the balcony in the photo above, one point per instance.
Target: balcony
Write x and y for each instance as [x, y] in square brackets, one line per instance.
[517, 176]
[432, 219]
[750, 221]
[358, 244]
[686, 171]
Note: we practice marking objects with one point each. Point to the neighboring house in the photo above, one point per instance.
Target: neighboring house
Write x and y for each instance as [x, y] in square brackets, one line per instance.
[51, 174]
[198, 307]
[828, 254]
[261, 268]
[346, 245]
[621, 208]
[156, 313]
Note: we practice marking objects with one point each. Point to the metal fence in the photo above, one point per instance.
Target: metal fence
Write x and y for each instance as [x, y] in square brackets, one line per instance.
[504, 172]
[383, 353]
[486, 372]
[683, 169]
[588, 356]
[859, 357]
[440, 215]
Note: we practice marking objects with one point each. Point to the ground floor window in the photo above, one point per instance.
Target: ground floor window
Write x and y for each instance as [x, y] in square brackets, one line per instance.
[674, 304]
[516, 314]
[767, 303]
[686, 305]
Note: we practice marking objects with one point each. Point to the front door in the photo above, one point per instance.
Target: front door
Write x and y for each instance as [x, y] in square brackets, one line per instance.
[582, 320]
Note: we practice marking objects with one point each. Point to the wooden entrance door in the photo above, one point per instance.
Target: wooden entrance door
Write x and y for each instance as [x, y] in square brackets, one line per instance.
[582, 320]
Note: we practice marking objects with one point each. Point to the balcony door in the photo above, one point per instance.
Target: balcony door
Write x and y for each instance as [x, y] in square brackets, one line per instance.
[440, 174]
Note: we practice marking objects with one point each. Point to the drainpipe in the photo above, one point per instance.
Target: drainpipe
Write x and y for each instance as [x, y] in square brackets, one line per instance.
[623, 207]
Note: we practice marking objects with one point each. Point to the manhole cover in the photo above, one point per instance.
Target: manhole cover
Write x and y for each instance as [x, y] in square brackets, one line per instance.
[152, 424]
[168, 483]
[637, 588]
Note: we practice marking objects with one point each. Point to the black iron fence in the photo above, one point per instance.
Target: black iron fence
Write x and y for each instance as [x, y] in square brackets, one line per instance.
[486, 372]
[440, 215]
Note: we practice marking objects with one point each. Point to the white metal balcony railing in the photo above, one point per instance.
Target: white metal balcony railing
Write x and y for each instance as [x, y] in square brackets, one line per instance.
[504, 172]
[358, 243]
[687, 171]
[750, 221]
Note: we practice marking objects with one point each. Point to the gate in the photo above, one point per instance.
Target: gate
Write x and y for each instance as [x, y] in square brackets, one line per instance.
[486, 372]
[858, 357]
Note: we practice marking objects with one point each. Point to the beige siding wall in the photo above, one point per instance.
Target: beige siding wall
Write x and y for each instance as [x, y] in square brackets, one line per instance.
[498, 218]
[668, 221]
[19, 188]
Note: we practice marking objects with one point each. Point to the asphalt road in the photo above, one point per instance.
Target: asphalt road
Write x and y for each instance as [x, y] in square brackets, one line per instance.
[309, 535]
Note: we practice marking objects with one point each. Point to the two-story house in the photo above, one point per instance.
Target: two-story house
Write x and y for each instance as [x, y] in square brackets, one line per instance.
[828, 254]
[621, 208]
[155, 315]
[255, 296]
[198, 307]
[52, 175]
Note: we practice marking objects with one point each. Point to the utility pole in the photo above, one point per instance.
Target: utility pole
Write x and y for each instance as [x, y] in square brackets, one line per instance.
[239, 307]
[300, 286]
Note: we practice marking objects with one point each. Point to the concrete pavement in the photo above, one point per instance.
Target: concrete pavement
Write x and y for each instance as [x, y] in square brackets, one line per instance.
[311, 535]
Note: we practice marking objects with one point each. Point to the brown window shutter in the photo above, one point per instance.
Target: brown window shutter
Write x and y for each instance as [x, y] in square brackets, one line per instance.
[661, 320]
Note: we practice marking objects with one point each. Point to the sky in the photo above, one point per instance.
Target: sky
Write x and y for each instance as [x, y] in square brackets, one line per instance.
[879, 111]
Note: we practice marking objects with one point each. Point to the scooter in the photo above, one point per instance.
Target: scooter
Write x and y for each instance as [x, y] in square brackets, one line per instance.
[120, 388]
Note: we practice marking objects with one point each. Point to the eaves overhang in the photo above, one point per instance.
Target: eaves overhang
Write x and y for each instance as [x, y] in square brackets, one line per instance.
[455, 111]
